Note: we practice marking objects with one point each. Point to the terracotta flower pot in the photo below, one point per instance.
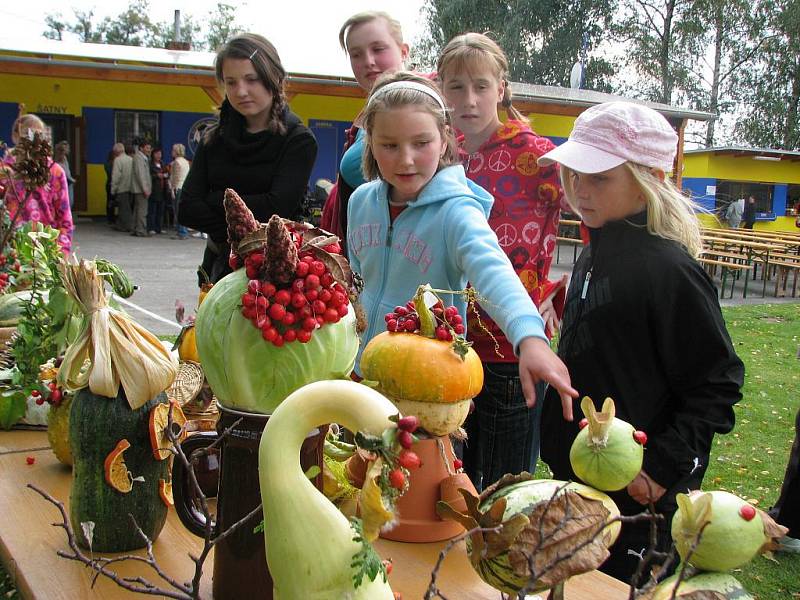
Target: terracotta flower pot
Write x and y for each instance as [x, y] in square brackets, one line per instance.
[417, 507]
[448, 490]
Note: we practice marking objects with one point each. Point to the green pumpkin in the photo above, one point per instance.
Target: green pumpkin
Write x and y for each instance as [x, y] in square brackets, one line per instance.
[96, 425]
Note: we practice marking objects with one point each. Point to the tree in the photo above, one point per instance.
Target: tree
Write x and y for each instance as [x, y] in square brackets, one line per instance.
[221, 26]
[770, 92]
[542, 39]
[55, 27]
[662, 40]
[132, 27]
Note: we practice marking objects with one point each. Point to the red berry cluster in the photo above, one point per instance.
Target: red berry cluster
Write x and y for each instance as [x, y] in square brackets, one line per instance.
[52, 395]
[9, 267]
[293, 313]
[406, 319]
[407, 459]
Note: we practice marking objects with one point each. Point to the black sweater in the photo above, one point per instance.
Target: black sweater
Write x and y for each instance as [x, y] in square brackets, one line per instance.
[649, 333]
[269, 171]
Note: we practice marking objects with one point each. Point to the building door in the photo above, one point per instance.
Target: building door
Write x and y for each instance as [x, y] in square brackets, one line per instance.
[67, 128]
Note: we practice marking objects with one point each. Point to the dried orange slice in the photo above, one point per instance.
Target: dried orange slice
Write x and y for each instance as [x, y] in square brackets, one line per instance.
[116, 471]
[159, 418]
[165, 491]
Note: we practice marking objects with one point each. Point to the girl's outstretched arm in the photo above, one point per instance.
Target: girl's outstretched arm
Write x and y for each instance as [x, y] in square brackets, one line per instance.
[537, 362]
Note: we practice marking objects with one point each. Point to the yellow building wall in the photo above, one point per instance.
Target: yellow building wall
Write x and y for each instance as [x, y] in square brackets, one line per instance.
[741, 168]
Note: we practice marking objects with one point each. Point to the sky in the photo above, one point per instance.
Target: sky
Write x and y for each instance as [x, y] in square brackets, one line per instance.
[299, 29]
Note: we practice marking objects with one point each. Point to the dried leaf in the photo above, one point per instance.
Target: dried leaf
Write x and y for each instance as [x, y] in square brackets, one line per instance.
[87, 527]
[772, 531]
[563, 539]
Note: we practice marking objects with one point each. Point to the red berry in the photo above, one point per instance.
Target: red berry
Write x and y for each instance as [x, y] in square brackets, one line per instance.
[387, 563]
[39, 400]
[319, 307]
[442, 334]
[298, 300]
[278, 341]
[268, 289]
[283, 297]
[409, 423]
[303, 336]
[55, 396]
[747, 512]
[249, 313]
[408, 459]
[450, 312]
[312, 281]
[405, 438]
[338, 298]
[248, 299]
[326, 279]
[397, 479]
[391, 325]
[318, 267]
[640, 437]
[331, 315]
[342, 310]
[233, 262]
[256, 258]
[309, 324]
[263, 322]
[269, 334]
[30, 460]
[456, 320]
[35, 393]
[312, 295]
[457, 464]
[320, 320]
[262, 303]
[583, 423]
[400, 311]
[388, 317]
[251, 271]
[290, 335]
[325, 296]
[302, 269]
[409, 325]
[298, 285]
[459, 329]
[307, 258]
[254, 286]
[289, 319]
[276, 311]
[333, 248]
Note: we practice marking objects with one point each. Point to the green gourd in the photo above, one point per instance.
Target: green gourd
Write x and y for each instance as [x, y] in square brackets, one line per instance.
[96, 425]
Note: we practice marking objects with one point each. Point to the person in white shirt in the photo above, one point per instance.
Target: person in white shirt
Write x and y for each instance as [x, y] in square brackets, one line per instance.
[178, 170]
[122, 186]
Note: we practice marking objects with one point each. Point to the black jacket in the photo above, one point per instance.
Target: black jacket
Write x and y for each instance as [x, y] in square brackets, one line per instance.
[649, 333]
[268, 170]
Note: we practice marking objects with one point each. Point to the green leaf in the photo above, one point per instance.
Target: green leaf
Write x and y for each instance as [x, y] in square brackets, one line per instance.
[366, 562]
[312, 472]
[12, 409]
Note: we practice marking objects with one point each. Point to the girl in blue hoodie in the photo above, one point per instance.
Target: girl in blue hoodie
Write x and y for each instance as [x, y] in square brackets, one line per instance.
[420, 220]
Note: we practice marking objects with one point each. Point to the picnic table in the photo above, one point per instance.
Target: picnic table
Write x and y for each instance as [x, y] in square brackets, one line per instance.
[28, 544]
[750, 250]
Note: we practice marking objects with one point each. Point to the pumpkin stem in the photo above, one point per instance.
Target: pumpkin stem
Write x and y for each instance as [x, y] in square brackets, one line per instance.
[427, 323]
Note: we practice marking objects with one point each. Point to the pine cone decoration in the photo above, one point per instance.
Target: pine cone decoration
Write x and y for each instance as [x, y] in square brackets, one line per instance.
[32, 161]
[240, 219]
[281, 252]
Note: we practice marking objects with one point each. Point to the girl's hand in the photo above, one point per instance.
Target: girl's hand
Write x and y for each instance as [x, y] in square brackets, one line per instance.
[643, 489]
[537, 362]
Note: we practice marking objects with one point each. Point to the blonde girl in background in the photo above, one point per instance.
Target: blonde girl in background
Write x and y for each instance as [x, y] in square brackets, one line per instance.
[420, 220]
[642, 322]
[49, 204]
[178, 170]
[374, 43]
[503, 433]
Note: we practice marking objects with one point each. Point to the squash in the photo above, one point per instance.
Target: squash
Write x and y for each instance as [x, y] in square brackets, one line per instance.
[187, 345]
[97, 425]
[309, 543]
[58, 430]
[721, 586]
[519, 503]
[432, 379]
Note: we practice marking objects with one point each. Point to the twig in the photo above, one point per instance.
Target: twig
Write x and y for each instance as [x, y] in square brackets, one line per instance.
[433, 591]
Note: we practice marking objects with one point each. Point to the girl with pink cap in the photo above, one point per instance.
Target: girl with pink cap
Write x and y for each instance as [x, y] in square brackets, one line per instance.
[642, 322]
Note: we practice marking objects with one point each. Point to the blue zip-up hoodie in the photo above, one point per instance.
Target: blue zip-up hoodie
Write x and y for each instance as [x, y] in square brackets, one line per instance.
[442, 238]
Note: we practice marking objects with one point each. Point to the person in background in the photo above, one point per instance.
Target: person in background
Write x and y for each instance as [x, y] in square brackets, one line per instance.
[642, 323]
[734, 213]
[61, 156]
[141, 188]
[749, 213]
[787, 508]
[178, 170]
[108, 167]
[502, 432]
[374, 43]
[418, 193]
[49, 204]
[122, 187]
[259, 148]
[158, 192]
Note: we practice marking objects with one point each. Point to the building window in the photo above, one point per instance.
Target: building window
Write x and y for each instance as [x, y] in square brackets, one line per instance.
[130, 125]
[727, 191]
[793, 199]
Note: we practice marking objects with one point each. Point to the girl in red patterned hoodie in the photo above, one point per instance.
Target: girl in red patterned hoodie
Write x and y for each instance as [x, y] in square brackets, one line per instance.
[503, 433]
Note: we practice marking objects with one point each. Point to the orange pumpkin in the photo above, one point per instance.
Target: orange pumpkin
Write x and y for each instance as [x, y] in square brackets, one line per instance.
[187, 349]
[424, 377]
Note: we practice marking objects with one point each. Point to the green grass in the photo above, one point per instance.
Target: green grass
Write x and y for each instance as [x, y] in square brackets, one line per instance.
[751, 460]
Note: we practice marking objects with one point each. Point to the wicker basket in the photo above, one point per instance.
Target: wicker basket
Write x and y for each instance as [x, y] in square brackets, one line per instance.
[187, 384]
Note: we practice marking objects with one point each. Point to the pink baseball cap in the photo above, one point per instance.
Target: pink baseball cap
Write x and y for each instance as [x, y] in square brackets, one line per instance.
[609, 134]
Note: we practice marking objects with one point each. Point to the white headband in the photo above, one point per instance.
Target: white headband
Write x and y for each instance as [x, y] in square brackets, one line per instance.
[409, 85]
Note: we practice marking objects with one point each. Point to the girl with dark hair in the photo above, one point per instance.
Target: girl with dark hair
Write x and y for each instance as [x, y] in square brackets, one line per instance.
[259, 148]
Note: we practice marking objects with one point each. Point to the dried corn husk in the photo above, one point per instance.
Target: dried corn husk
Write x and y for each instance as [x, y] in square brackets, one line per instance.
[120, 351]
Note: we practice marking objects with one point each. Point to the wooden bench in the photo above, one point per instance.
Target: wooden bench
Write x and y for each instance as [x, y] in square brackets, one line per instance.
[783, 268]
[727, 267]
[575, 243]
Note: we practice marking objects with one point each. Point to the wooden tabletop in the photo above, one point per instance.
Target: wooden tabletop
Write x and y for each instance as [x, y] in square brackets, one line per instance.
[28, 544]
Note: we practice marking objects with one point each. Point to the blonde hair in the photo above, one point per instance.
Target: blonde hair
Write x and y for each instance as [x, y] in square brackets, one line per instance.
[398, 98]
[470, 52]
[670, 213]
[179, 150]
[25, 123]
[395, 29]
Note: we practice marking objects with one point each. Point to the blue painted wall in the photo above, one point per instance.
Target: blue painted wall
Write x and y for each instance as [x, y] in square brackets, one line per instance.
[8, 114]
[696, 187]
[330, 141]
